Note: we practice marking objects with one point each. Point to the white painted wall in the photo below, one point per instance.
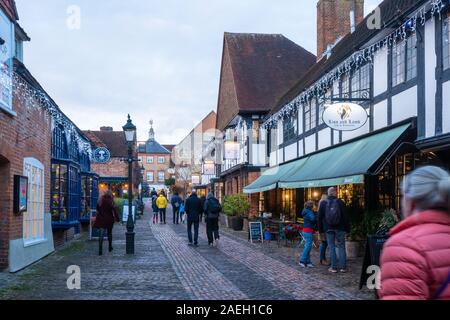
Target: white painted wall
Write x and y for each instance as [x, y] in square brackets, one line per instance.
[446, 107]
[380, 72]
[430, 81]
[259, 154]
[280, 155]
[310, 144]
[335, 137]
[404, 105]
[273, 161]
[380, 118]
[290, 152]
[300, 148]
[324, 138]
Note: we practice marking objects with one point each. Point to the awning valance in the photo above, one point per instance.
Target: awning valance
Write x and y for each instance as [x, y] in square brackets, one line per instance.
[270, 178]
[346, 164]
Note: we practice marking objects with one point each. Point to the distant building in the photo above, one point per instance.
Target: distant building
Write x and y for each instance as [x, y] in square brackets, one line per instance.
[156, 160]
[113, 173]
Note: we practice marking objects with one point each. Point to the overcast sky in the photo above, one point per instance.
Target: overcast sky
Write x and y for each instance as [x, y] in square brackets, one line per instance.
[155, 59]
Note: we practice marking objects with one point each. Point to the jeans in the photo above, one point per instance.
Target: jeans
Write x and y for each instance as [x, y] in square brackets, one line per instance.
[155, 217]
[162, 215]
[339, 236]
[189, 229]
[176, 215]
[323, 251]
[212, 229]
[102, 235]
[306, 254]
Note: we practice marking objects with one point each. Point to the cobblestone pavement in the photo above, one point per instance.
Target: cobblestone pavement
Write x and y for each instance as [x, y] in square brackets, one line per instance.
[166, 268]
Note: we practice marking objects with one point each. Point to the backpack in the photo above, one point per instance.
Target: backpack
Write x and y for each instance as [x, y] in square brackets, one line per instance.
[214, 208]
[333, 213]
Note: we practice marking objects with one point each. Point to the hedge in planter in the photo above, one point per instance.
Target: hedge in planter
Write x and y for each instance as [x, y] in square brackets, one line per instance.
[236, 206]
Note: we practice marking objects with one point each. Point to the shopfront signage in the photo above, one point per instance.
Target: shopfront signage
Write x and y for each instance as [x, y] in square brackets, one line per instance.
[345, 116]
[101, 155]
[20, 194]
[256, 232]
[374, 247]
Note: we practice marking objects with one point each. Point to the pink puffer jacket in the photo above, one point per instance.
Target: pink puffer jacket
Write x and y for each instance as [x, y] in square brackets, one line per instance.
[415, 261]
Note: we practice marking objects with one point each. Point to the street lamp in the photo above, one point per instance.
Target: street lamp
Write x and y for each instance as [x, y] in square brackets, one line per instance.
[130, 133]
[142, 181]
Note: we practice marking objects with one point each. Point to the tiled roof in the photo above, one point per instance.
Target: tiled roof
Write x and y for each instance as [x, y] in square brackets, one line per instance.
[390, 10]
[169, 147]
[152, 147]
[10, 9]
[263, 68]
[114, 141]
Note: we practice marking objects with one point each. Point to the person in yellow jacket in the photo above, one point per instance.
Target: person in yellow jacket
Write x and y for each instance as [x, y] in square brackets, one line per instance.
[161, 203]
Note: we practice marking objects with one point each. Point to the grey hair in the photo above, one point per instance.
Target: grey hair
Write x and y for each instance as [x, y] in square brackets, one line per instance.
[331, 191]
[428, 187]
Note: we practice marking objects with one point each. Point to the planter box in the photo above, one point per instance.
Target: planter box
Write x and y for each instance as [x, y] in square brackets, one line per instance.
[237, 224]
[353, 249]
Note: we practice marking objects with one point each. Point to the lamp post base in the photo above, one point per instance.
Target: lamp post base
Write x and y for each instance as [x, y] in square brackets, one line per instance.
[129, 236]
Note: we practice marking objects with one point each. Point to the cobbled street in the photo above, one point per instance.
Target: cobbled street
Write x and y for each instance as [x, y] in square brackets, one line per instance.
[166, 268]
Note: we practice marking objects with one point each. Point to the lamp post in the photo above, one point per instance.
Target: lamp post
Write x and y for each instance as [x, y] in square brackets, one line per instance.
[130, 133]
[142, 181]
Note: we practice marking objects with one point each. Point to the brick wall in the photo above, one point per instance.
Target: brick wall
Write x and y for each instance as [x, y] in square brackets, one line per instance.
[333, 20]
[114, 168]
[28, 134]
[155, 167]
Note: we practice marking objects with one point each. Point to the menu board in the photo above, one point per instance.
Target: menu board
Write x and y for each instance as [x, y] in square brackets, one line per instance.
[256, 232]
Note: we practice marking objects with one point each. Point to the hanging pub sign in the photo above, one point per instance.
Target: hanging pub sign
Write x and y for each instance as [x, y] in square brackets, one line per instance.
[232, 149]
[101, 155]
[209, 168]
[20, 194]
[345, 116]
[195, 179]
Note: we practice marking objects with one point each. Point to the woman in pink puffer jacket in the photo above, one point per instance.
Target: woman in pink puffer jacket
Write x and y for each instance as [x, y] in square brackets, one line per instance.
[415, 263]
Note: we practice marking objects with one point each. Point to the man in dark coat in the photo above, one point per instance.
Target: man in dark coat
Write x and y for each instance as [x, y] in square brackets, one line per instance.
[333, 220]
[193, 210]
[176, 203]
[212, 209]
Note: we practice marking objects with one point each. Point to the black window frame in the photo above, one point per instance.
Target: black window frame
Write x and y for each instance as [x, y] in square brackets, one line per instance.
[407, 63]
[290, 133]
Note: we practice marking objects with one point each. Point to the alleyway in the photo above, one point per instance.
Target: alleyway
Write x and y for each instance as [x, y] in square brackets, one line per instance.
[166, 268]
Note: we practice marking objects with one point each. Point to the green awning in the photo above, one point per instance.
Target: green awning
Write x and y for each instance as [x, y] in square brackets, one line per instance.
[346, 164]
[269, 179]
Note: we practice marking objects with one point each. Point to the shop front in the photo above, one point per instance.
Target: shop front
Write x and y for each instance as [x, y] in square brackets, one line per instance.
[367, 173]
[117, 185]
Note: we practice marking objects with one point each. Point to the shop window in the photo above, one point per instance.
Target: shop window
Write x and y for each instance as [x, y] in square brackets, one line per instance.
[74, 193]
[446, 43]
[290, 128]
[33, 218]
[87, 203]
[404, 60]
[74, 150]
[59, 200]
[59, 144]
[289, 204]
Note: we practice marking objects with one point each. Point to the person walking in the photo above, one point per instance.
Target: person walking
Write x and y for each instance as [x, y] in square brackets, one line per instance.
[193, 210]
[333, 220]
[182, 212]
[155, 208]
[203, 200]
[323, 239]
[309, 228]
[176, 203]
[415, 261]
[105, 218]
[212, 209]
[161, 203]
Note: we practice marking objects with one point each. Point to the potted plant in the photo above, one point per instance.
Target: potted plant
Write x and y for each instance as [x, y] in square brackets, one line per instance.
[388, 220]
[235, 206]
[354, 240]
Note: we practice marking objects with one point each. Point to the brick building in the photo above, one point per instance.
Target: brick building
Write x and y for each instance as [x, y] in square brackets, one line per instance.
[257, 69]
[113, 175]
[43, 149]
[156, 161]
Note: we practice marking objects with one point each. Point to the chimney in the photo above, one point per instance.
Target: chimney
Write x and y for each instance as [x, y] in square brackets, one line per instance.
[335, 19]
[106, 129]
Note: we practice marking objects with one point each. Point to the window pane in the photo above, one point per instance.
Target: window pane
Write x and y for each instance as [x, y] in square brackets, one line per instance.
[398, 63]
[411, 56]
